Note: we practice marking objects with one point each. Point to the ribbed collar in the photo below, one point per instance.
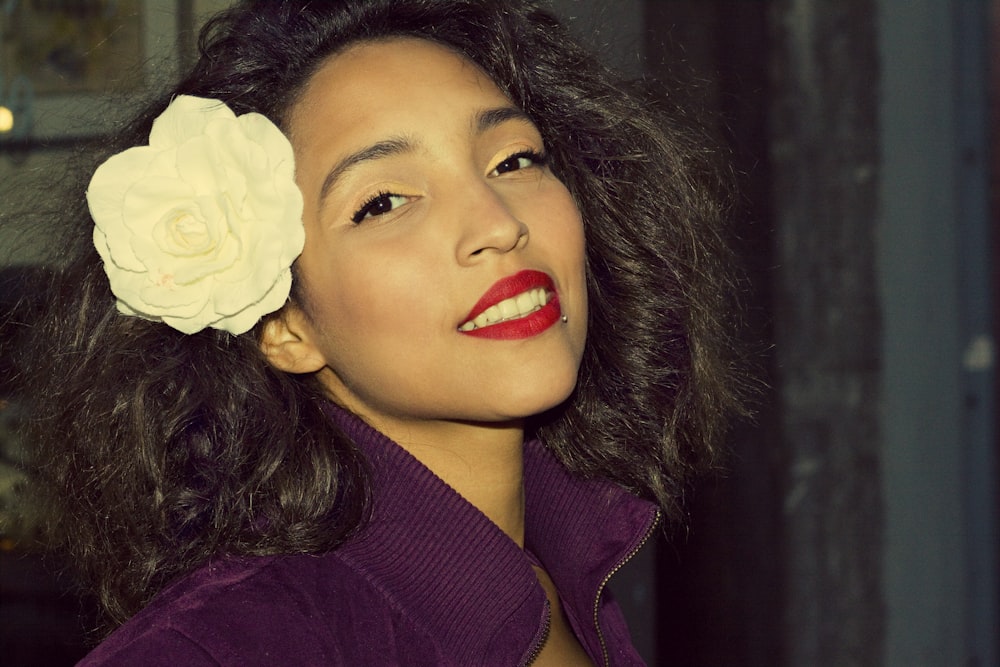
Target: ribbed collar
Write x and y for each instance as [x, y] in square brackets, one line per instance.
[426, 548]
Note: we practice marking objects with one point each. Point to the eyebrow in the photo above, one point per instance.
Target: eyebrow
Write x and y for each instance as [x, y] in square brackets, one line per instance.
[382, 149]
[490, 118]
[483, 122]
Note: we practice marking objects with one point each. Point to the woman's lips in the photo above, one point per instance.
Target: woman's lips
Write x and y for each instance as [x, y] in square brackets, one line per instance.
[519, 306]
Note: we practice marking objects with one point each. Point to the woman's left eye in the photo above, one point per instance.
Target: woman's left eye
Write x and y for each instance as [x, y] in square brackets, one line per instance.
[521, 160]
[380, 204]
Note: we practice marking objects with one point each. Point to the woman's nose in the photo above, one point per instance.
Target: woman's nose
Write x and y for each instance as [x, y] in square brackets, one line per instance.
[488, 225]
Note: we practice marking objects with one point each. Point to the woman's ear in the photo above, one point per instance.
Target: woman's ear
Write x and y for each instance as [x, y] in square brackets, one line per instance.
[287, 342]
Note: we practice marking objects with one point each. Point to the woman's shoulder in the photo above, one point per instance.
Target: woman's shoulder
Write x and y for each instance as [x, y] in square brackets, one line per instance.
[290, 609]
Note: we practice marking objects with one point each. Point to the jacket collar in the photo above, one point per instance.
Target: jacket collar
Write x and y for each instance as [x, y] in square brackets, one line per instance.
[426, 548]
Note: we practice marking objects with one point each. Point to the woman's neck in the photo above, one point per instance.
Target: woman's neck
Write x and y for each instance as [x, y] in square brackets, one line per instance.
[484, 463]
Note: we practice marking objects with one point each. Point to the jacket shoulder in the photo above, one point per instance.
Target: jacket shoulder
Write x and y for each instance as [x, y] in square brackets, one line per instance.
[296, 610]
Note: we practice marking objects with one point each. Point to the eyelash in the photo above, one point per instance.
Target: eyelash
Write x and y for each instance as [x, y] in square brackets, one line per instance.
[380, 199]
[368, 208]
[537, 158]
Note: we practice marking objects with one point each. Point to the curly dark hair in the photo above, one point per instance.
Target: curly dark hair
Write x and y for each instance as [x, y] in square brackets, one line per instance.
[161, 449]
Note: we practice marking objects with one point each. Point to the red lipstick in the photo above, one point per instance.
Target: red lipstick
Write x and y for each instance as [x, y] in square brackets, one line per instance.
[525, 326]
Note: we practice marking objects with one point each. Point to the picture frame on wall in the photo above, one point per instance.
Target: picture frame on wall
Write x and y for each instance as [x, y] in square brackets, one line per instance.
[65, 64]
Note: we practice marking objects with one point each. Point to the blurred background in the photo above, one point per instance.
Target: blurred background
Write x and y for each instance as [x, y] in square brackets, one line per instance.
[856, 520]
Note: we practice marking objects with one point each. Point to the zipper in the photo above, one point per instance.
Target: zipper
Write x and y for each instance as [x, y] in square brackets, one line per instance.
[607, 578]
[540, 638]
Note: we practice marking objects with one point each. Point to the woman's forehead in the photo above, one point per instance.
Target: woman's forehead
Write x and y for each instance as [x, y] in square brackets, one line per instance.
[401, 88]
[397, 63]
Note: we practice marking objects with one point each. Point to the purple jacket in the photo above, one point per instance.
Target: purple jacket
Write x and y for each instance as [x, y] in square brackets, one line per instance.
[429, 581]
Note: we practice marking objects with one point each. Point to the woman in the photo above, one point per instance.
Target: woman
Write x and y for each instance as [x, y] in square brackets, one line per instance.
[408, 386]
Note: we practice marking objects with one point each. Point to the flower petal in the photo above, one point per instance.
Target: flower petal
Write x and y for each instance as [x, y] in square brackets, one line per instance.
[200, 228]
[185, 117]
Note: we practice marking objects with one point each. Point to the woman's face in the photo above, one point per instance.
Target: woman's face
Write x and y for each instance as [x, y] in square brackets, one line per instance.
[427, 203]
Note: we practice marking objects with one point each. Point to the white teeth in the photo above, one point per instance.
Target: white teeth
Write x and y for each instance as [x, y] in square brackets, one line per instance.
[508, 308]
[523, 304]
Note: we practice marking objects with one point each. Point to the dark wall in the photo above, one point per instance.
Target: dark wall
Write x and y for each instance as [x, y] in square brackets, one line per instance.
[720, 586]
[858, 522]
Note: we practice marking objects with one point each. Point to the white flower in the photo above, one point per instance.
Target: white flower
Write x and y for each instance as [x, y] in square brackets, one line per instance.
[200, 228]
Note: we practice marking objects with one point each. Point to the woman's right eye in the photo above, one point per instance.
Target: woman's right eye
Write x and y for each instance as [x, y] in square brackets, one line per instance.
[380, 204]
